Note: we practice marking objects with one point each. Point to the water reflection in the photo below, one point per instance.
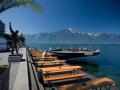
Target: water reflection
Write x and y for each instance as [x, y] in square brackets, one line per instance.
[86, 66]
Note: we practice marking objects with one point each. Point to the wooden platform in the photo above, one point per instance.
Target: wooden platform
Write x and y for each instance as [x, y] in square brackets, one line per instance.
[57, 68]
[50, 62]
[77, 76]
[53, 75]
[95, 84]
[54, 61]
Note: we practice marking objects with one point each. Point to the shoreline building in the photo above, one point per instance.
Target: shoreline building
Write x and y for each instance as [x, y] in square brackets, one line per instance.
[2, 28]
[3, 41]
[3, 44]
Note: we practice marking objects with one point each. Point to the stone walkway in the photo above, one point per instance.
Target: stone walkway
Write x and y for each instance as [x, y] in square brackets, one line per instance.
[19, 74]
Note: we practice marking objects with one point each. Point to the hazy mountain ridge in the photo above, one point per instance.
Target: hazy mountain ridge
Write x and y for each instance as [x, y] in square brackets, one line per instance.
[70, 36]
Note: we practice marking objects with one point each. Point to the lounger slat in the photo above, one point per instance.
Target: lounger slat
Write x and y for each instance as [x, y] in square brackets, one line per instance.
[65, 77]
[54, 61]
[59, 71]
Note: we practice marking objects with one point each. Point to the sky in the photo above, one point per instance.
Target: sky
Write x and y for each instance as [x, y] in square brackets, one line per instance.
[81, 15]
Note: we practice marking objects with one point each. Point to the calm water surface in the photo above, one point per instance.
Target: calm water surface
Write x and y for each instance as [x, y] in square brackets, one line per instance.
[108, 61]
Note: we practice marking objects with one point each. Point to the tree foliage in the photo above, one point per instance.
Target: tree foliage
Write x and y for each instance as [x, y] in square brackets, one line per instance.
[7, 4]
[21, 38]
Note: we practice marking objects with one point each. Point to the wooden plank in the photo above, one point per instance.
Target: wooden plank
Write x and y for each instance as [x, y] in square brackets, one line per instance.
[57, 68]
[47, 57]
[54, 61]
[101, 81]
[49, 64]
[59, 71]
[65, 77]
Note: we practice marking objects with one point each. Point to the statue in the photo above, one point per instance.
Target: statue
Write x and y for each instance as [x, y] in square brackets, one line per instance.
[14, 35]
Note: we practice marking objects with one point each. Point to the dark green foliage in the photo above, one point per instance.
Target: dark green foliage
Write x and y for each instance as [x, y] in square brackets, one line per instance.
[8, 37]
[2, 69]
[21, 38]
[7, 4]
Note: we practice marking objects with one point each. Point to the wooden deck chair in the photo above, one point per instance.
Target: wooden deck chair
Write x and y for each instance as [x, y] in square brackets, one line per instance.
[58, 69]
[99, 83]
[57, 78]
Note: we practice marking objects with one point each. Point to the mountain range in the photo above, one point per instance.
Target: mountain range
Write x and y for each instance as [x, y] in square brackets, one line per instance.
[70, 36]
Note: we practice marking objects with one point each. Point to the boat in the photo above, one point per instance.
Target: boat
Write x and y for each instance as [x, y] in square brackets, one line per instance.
[73, 53]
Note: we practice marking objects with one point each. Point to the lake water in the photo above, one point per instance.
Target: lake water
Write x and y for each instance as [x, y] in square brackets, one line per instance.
[108, 61]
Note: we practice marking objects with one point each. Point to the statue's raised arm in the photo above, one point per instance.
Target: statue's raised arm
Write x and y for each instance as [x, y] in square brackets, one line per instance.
[13, 39]
[11, 30]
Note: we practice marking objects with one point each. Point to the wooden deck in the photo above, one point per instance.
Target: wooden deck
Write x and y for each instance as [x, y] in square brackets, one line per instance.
[59, 69]
[54, 61]
[54, 74]
[75, 76]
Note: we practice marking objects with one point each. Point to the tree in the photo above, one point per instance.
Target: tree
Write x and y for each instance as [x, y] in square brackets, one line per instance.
[8, 39]
[7, 4]
[21, 38]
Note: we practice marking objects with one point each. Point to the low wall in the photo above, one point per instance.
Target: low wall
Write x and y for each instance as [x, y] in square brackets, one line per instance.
[34, 83]
[4, 79]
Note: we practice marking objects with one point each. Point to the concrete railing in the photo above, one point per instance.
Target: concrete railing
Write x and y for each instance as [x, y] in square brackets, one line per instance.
[4, 79]
[33, 76]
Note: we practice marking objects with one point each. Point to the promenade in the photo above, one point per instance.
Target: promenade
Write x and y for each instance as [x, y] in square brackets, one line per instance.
[18, 79]
[4, 57]
[22, 75]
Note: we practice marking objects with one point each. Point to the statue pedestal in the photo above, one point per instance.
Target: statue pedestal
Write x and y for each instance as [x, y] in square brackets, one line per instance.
[14, 58]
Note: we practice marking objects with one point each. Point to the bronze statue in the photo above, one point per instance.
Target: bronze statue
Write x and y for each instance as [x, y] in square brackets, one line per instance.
[14, 35]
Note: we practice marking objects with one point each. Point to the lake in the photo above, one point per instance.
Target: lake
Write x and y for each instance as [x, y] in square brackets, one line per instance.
[108, 61]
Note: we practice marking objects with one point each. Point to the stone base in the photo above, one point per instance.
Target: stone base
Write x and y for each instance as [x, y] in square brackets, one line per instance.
[14, 58]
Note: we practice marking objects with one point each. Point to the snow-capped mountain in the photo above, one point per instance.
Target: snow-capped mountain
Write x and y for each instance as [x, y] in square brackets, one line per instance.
[70, 36]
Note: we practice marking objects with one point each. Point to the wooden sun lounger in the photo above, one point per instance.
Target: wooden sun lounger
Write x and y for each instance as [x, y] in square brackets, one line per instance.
[54, 61]
[57, 68]
[37, 55]
[58, 61]
[87, 85]
[48, 64]
[100, 82]
[47, 58]
[36, 51]
[60, 69]
[47, 80]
